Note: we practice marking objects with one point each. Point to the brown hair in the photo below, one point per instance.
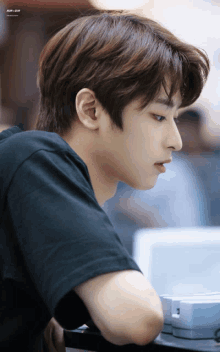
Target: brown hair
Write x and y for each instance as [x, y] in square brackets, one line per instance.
[119, 57]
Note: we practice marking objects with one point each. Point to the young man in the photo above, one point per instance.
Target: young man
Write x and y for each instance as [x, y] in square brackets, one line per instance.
[110, 89]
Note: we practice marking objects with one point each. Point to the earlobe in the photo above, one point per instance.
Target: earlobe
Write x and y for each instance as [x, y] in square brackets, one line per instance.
[86, 108]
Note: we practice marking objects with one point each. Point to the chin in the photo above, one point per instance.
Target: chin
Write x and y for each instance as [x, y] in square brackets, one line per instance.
[143, 185]
[145, 188]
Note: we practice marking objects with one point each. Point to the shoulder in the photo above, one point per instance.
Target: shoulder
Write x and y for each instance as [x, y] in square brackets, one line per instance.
[33, 140]
[16, 146]
[39, 158]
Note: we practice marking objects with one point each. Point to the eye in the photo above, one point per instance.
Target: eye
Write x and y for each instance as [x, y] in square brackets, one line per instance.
[177, 120]
[160, 117]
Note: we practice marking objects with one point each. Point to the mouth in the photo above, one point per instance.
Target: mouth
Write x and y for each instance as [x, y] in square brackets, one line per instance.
[164, 162]
[160, 167]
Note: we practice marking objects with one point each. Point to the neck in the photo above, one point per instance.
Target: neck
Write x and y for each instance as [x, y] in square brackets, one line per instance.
[103, 181]
[103, 185]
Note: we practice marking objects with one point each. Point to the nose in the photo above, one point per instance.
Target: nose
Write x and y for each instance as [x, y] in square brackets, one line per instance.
[174, 139]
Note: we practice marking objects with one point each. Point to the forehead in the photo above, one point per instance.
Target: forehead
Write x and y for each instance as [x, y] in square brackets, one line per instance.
[163, 100]
[160, 101]
[162, 97]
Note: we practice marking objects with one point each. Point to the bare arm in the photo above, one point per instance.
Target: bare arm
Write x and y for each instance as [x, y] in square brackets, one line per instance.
[124, 306]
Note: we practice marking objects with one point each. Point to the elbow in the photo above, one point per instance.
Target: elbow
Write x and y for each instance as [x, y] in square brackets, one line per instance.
[143, 334]
[149, 331]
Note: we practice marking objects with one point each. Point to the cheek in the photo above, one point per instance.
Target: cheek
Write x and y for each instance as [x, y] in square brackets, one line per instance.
[155, 142]
[137, 135]
[135, 151]
[143, 143]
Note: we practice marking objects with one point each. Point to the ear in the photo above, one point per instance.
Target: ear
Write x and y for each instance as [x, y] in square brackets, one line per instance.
[86, 108]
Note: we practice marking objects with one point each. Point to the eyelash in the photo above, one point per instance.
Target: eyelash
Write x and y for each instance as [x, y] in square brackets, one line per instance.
[164, 118]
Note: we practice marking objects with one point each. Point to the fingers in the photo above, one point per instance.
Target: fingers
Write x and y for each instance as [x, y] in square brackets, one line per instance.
[58, 337]
[54, 337]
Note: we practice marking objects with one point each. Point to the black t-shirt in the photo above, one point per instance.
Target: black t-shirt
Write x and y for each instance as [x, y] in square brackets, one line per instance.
[54, 236]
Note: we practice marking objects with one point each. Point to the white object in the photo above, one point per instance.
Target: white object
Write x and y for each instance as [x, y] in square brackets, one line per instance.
[179, 261]
[176, 318]
[198, 319]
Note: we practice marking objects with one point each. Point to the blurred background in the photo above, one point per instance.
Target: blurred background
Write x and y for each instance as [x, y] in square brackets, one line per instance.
[188, 194]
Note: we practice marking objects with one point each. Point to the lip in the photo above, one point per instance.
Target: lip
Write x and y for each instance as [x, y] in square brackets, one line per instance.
[164, 162]
[160, 168]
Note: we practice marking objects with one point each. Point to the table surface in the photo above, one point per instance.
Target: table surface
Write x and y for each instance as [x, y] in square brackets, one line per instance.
[85, 339]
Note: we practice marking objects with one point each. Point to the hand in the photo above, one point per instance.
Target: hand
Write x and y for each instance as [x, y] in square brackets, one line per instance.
[54, 337]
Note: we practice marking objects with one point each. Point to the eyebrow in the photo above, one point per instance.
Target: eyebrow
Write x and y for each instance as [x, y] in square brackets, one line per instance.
[165, 101]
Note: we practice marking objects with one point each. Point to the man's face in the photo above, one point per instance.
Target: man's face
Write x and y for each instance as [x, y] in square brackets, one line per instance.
[149, 136]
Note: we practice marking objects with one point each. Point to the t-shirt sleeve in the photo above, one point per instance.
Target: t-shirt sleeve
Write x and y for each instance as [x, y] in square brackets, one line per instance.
[65, 237]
